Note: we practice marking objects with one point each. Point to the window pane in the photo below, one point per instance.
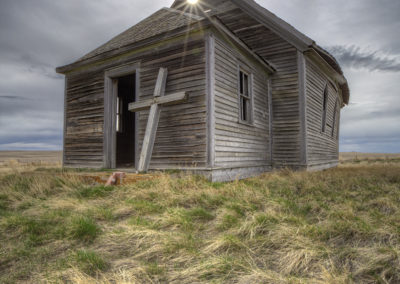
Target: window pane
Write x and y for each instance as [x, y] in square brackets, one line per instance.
[241, 82]
[118, 125]
[246, 85]
[245, 109]
[324, 108]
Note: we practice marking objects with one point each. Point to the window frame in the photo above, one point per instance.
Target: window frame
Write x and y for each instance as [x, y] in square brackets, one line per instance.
[242, 72]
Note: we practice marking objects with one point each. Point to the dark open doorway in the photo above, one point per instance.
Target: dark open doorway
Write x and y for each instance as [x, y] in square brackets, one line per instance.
[125, 122]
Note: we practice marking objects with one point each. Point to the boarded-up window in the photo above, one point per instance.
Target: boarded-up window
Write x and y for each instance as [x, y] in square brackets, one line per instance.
[324, 108]
[245, 97]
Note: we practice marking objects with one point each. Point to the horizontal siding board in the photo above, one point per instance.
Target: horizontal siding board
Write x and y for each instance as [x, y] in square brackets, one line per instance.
[322, 147]
[181, 136]
[239, 144]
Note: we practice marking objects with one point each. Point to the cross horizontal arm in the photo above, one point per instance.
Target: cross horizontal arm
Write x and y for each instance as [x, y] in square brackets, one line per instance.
[165, 100]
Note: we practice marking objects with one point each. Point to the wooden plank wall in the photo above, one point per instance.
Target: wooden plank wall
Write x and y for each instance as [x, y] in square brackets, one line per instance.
[286, 144]
[237, 144]
[181, 135]
[84, 120]
[322, 147]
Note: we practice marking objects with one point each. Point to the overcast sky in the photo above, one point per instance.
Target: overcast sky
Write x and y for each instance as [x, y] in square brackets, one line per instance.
[37, 36]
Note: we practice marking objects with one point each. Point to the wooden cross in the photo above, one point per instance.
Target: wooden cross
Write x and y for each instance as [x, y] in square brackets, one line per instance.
[154, 115]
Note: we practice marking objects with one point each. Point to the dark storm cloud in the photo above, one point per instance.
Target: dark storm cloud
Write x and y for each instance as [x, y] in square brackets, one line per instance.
[37, 36]
[12, 98]
[355, 57]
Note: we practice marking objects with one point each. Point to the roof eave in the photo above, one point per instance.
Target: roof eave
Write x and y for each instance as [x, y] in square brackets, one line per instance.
[203, 24]
[337, 75]
[276, 24]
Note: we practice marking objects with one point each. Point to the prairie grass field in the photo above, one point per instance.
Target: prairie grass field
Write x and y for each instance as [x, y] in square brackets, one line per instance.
[337, 226]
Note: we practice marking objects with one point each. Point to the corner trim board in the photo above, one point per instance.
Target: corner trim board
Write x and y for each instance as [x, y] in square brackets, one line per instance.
[65, 120]
[303, 108]
[270, 120]
[210, 88]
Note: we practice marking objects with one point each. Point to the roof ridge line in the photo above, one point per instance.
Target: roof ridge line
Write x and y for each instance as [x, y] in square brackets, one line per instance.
[197, 17]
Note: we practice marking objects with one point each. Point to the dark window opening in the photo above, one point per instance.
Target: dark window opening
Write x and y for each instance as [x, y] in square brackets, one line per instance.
[245, 97]
[334, 118]
[125, 122]
[324, 108]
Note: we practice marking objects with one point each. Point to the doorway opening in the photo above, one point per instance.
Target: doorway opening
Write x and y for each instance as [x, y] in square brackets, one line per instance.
[125, 122]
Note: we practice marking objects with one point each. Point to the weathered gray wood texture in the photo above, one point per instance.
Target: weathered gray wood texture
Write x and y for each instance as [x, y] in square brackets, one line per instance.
[238, 144]
[322, 147]
[286, 143]
[181, 135]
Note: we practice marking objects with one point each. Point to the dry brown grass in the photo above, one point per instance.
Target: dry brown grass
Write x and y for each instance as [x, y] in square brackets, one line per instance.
[18, 161]
[336, 226]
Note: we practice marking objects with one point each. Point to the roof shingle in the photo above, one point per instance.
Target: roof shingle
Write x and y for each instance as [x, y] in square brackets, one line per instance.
[162, 21]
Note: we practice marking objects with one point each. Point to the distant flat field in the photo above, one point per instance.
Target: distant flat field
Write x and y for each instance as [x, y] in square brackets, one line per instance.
[56, 156]
[31, 156]
[365, 156]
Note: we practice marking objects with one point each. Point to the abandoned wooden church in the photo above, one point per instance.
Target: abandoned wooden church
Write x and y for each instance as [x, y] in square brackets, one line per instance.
[222, 88]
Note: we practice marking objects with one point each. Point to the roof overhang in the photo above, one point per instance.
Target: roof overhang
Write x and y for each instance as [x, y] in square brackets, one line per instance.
[294, 37]
[109, 55]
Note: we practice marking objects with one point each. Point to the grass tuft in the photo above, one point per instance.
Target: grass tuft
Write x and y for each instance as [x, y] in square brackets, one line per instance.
[90, 262]
[84, 229]
[336, 226]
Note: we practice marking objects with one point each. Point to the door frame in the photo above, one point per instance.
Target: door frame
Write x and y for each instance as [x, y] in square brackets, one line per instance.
[110, 97]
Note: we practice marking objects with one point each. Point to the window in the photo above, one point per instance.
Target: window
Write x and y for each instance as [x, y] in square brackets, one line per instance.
[324, 108]
[334, 118]
[119, 112]
[245, 97]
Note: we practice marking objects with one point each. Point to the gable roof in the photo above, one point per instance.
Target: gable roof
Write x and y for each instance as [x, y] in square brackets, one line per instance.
[284, 30]
[170, 19]
[162, 21]
[158, 25]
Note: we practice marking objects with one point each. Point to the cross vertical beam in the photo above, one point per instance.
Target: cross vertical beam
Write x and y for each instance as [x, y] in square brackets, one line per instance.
[152, 123]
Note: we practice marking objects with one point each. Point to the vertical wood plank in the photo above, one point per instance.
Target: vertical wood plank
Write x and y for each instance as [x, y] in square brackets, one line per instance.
[152, 123]
[113, 134]
[302, 107]
[148, 141]
[107, 122]
[137, 117]
[159, 90]
[271, 118]
[210, 82]
[65, 120]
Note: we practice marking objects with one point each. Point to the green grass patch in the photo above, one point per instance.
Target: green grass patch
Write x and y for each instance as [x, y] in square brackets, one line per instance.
[90, 262]
[95, 191]
[229, 221]
[145, 206]
[84, 229]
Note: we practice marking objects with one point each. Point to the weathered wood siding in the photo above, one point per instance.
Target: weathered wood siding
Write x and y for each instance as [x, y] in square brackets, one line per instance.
[181, 135]
[84, 120]
[238, 144]
[322, 147]
[286, 144]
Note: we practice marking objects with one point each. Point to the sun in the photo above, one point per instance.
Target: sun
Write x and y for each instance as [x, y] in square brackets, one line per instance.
[192, 2]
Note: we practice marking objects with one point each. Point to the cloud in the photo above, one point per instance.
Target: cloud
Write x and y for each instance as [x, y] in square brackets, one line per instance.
[13, 98]
[357, 58]
[37, 36]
